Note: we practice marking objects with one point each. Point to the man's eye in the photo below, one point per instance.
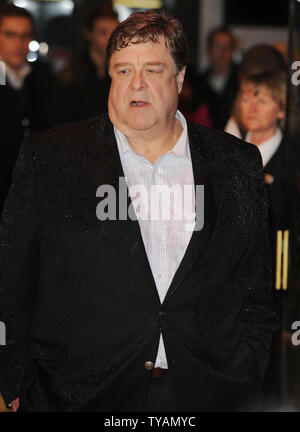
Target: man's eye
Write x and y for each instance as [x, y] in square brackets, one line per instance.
[123, 71]
[153, 71]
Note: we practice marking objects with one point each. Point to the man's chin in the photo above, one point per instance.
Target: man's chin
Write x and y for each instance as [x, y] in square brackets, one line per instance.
[128, 124]
[141, 126]
[140, 123]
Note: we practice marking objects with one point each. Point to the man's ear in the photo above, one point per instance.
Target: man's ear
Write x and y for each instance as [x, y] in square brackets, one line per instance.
[180, 79]
[281, 115]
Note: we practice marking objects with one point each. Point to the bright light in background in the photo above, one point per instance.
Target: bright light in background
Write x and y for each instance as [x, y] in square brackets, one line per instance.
[20, 3]
[44, 48]
[123, 12]
[67, 5]
[32, 56]
[34, 46]
[125, 7]
[139, 4]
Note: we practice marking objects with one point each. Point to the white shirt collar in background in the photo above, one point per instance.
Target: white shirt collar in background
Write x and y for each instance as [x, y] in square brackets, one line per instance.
[17, 80]
[267, 148]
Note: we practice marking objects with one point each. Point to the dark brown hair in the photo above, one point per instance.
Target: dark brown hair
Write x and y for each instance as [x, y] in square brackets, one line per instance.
[10, 10]
[141, 27]
[220, 30]
[261, 58]
[101, 12]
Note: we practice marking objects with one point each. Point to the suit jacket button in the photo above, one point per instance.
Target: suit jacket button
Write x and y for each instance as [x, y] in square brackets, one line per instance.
[149, 365]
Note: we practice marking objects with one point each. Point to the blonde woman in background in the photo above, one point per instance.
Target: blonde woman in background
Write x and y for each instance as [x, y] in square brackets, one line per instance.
[261, 107]
[262, 102]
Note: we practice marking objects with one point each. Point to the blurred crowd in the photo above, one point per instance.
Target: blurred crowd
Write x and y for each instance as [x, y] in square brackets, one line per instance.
[223, 96]
[247, 99]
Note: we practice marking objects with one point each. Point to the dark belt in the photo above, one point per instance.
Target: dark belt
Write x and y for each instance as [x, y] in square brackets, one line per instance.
[157, 372]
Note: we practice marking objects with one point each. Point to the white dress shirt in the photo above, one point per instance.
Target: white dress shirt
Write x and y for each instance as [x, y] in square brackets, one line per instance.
[165, 241]
[218, 82]
[267, 148]
[232, 128]
[16, 80]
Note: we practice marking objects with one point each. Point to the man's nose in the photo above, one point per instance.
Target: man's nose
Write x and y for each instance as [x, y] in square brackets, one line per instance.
[21, 45]
[138, 81]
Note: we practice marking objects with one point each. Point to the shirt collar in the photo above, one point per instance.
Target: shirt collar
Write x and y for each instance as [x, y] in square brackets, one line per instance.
[181, 147]
[268, 148]
[17, 80]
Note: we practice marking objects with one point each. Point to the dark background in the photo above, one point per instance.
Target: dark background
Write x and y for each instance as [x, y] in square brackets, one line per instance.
[257, 12]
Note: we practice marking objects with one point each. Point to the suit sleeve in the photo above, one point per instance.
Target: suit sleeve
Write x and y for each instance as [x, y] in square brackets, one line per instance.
[259, 316]
[19, 250]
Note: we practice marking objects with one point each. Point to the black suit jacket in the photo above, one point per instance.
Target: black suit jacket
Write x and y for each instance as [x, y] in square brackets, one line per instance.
[275, 171]
[78, 297]
[33, 102]
[219, 104]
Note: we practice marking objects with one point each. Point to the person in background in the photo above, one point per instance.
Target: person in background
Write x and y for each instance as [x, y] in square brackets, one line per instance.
[262, 102]
[26, 97]
[259, 58]
[219, 83]
[190, 102]
[85, 82]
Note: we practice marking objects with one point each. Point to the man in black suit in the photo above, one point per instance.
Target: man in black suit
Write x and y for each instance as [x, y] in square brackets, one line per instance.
[108, 313]
[218, 84]
[27, 94]
[85, 82]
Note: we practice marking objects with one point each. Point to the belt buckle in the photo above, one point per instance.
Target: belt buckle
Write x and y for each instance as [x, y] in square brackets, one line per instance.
[157, 372]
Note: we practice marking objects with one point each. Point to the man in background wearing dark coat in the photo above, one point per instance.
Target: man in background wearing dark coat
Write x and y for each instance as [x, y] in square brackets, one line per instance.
[109, 311]
[26, 96]
[85, 82]
[218, 84]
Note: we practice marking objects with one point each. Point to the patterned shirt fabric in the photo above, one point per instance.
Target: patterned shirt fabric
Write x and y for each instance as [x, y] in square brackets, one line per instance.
[167, 220]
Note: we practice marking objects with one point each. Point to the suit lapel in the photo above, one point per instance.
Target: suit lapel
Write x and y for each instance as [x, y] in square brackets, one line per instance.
[202, 162]
[109, 163]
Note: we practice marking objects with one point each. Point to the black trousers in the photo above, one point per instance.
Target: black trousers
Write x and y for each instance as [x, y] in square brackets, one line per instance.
[160, 396]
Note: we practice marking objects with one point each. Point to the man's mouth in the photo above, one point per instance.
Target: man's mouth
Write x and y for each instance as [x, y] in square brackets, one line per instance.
[136, 103]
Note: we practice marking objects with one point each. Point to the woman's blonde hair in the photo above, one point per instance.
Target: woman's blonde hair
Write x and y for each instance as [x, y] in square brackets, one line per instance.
[274, 81]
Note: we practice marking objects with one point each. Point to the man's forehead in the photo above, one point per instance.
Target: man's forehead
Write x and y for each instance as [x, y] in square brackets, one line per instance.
[15, 22]
[145, 52]
[221, 38]
[106, 22]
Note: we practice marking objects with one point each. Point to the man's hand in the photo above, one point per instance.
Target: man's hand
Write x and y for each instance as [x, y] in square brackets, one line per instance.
[15, 404]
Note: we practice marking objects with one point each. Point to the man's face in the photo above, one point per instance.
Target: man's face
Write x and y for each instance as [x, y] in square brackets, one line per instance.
[15, 35]
[144, 89]
[100, 34]
[221, 51]
[259, 110]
